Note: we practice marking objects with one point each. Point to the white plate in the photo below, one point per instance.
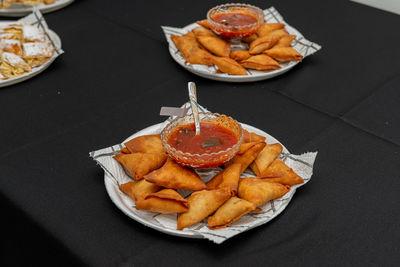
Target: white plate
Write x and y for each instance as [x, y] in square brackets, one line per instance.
[127, 205]
[271, 15]
[20, 10]
[36, 70]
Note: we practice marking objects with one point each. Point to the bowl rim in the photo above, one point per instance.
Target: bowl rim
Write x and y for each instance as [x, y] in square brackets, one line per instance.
[167, 147]
[229, 28]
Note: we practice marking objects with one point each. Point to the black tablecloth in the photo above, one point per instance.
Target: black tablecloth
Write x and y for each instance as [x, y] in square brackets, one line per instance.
[116, 73]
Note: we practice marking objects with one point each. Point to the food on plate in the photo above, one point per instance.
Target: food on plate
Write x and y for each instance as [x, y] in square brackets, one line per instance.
[285, 41]
[260, 62]
[265, 158]
[229, 212]
[212, 42]
[239, 55]
[13, 65]
[246, 157]
[230, 66]
[202, 204]
[23, 47]
[11, 46]
[36, 54]
[164, 201]
[145, 144]
[138, 190]
[279, 172]
[191, 49]
[266, 28]
[262, 43]
[283, 54]
[203, 46]
[226, 178]
[173, 175]
[7, 3]
[140, 164]
[260, 191]
[249, 137]
[226, 196]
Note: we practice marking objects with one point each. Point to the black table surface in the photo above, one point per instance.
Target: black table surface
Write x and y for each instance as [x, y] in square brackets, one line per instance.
[116, 73]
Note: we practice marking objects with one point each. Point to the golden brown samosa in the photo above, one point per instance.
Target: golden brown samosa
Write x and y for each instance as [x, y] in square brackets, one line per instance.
[140, 164]
[212, 42]
[262, 43]
[230, 66]
[125, 151]
[191, 49]
[249, 137]
[229, 212]
[204, 23]
[139, 190]
[279, 172]
[266, 28]
[283, 54]
[285, 41]
[173, 175]
[226, 178]
[247, 157]
[260, 62]
[260, 191]
[239, 55]
[275, 34]
[164, 201]
[202, 204]
[265, 158]
[145, 144]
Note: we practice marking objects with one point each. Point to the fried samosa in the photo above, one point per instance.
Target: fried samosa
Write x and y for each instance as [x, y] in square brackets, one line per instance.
[279, 172]
[249, 137]
[164, 201]
[140, 164]
[191, 49]
[138, 190]
[173, 175]
[265, 158]
[260, 62]
[212, 42]
[247, 157]
[239, 55]
[262, 43]
[285, 41]
[283, 54]
[230, 66]
[202, 204]
[146, 144]
[204, 23]
[229, 212]
[260, 191]
[266, 28]
[226, 178]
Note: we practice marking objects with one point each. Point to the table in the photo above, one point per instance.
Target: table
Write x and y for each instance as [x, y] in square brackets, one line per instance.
[116, 73]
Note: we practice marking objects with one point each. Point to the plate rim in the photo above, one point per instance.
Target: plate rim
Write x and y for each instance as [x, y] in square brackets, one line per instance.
[112, 188]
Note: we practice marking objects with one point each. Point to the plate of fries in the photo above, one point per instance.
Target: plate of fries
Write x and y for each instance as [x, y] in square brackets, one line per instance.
[275, 49]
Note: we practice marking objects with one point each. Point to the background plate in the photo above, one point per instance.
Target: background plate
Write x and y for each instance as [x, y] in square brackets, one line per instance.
[20, 10]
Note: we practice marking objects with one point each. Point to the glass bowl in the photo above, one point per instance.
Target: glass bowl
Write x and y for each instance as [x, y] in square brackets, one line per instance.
[204, 160]
[232, 31]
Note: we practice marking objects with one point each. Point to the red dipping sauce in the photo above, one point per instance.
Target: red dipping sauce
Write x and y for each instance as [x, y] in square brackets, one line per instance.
[212, 138]
[234, 19]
